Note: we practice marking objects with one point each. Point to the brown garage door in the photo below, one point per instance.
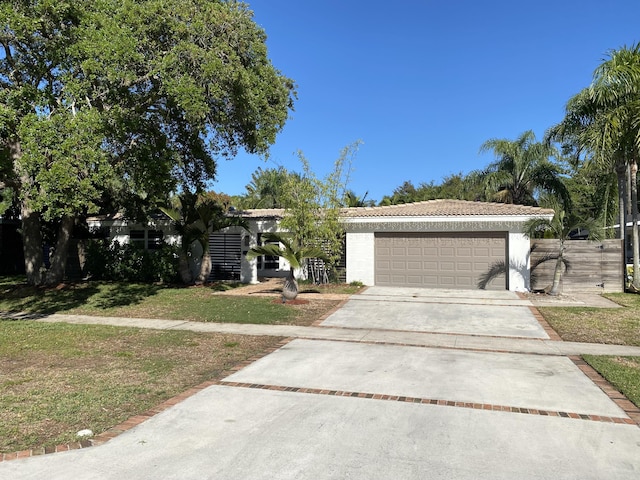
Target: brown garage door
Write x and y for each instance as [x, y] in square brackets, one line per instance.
[439, 260]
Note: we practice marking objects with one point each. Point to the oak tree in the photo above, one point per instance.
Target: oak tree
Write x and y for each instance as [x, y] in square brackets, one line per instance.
[128, 100]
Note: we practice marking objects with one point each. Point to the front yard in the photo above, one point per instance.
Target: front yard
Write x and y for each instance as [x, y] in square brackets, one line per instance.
[57, 379]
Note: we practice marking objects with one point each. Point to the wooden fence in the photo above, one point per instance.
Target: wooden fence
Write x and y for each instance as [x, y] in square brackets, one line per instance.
[593, 266]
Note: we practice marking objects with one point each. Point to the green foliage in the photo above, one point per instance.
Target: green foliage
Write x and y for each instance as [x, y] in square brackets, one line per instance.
[266, 188]
[522, 171]
[194, 217]
[287, 247]
[454, 187]
[129, 263]
[312, 205]
[128, 100]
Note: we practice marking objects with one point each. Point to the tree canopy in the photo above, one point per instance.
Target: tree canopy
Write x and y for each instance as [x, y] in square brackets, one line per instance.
[127, 100]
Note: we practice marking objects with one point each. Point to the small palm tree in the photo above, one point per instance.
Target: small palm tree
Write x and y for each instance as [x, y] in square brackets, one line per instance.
[290, 249]
[560, 226]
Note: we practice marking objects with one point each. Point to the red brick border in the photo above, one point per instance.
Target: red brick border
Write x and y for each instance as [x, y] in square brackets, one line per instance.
[434, 401]
[617, 397]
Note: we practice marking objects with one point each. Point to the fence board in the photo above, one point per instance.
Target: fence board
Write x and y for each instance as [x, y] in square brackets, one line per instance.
[594, 266]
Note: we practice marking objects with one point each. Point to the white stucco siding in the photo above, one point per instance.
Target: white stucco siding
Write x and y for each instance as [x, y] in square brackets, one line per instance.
[360, 258]
[519, 274]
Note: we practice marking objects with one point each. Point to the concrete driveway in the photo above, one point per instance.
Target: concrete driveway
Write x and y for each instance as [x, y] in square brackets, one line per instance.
[317, 409]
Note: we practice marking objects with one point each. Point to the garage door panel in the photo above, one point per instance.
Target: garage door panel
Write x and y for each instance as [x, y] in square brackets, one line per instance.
[439, 260]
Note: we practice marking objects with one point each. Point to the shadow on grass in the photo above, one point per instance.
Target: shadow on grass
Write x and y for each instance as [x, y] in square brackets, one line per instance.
[20, 297]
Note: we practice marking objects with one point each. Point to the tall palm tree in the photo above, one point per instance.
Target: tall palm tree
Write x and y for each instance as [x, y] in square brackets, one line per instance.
[289, 248]
[522, 171]
[603, 120]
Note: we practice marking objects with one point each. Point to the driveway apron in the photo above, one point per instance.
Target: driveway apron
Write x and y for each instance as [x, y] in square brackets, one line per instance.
[327, 408]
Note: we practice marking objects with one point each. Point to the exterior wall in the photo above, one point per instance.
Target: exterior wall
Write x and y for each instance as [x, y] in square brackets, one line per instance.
[360, 258]
[519, 275]
[119, 230]
[249, 272]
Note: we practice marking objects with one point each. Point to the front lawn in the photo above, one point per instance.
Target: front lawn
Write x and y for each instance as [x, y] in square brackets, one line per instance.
[156, 301]
[57, 379]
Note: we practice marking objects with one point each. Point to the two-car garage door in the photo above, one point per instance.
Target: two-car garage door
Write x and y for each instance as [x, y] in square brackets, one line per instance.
[440, 260]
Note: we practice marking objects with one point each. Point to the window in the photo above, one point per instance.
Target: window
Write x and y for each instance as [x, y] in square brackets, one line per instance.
[267, 262]
[147, 239]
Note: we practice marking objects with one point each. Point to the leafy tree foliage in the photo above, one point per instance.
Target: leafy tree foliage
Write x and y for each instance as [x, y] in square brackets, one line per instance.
[266, 188]
[453, 187]
[126, 100]
[351, 199]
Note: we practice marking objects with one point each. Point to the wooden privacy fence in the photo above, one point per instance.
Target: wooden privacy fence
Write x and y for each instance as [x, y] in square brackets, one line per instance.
[593, 266]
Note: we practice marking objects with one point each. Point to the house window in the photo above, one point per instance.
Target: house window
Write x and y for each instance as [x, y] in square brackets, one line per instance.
[147, 239]
[267, 262]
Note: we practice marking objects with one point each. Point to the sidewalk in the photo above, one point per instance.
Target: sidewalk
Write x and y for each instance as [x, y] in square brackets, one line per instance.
[394, 337]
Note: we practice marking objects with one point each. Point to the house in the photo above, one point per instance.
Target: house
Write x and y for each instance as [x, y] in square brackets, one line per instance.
[437, 244]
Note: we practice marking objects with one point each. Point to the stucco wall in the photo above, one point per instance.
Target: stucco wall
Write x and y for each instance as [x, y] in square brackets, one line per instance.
[518, 247]
[360, 258]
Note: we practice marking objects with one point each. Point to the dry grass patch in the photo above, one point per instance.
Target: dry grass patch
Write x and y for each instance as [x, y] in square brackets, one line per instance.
[618, 326]
[57, 379]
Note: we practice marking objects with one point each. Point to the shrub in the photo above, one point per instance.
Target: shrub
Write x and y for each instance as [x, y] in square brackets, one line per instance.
[128, 263]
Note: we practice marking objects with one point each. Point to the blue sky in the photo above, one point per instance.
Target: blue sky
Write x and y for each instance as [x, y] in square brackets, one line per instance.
[424, 83]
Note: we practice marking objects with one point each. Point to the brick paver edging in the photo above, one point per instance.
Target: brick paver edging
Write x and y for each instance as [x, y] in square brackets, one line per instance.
[433, 401]
[138, 419]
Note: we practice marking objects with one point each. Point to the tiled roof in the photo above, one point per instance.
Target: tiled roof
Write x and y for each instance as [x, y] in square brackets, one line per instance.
[261, 213]
[446, 208]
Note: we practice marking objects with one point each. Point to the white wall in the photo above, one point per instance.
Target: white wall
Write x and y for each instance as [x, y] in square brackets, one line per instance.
[519, 275]
[360, 258]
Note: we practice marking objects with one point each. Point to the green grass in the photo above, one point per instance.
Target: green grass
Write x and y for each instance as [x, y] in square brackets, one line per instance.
[144, 301]
[621, 372]
[57, 379]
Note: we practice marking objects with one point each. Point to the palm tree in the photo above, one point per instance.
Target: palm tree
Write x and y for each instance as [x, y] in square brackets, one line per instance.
[560, 226]
[351, 199]
[194, 219]
[288, 248]
[603, 120]
[522, 171]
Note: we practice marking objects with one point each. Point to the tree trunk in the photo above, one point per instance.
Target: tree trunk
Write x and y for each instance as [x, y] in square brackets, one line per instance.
[205, 265]
[55, 274]
[633, 171]
[557, 273]
[290, 287]
[621, 173]
[184, 270]
[32, 245]
[31, 234]
[622, 215]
